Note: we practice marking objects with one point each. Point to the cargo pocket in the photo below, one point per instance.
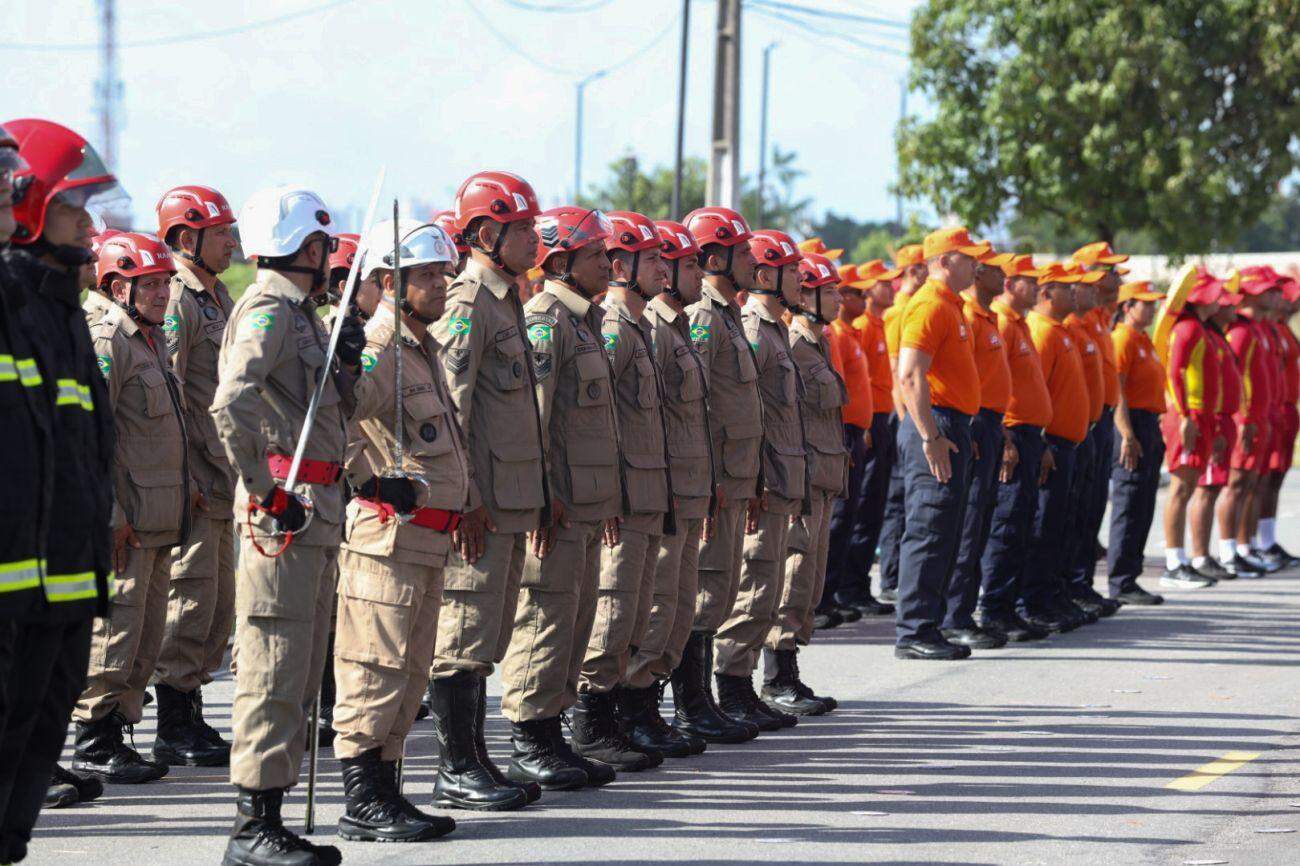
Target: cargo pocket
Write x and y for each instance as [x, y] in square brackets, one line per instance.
[516, 476]
[647, 391]
[375, 619]
[787, 465]
[593, 379]
[647, 482]
[740, 444]
[427, 427]
[692, 384]
[157, 402]
[746, 370]
[827, 389]
[688, 446]
[155, 499]
[593, 472]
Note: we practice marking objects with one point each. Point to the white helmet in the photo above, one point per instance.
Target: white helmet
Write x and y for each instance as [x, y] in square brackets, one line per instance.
[421, 244]
[275, 221]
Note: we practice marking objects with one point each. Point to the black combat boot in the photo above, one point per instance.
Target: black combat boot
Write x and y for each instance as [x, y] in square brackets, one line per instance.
[597, 738]
[535, 759]
[639, 719]
[388, 775]
[209, 733]
[695, 713]
[464, 782]
[737, 699]
[328, 691]
[179, 741]
[598, 775]
[374, 811]
[531, 789]
[59, 794]
[88, 788]
[260, 838]
[782, 688]
[101, 753]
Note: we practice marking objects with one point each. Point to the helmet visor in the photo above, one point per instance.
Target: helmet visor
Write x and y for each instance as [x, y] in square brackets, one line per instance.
[424, 245]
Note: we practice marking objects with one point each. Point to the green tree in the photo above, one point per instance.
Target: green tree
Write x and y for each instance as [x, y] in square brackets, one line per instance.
[1278, 227]
[1174, 117]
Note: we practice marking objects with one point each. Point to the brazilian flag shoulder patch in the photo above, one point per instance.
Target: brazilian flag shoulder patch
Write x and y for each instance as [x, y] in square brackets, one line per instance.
[460, 326]
[368, 361]
[611, 342]
[105, 364]
[262, 321]
[699, 333]
[540, 332]
[171, 324]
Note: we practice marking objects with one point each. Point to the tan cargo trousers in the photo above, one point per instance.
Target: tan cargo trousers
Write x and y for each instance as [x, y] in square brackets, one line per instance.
[557, 606]
[124, 645]
[282, 619]
[672, 608]
[719, 568]
[383, 646]
[762, 573]
[478, 606]
[624, 591]
[200, 606]
[805, 575]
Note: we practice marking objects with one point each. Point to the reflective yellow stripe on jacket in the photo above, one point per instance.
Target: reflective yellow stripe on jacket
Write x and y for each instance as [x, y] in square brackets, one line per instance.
[20, 575]
[21, 370]
[72, 393]
[71, 587]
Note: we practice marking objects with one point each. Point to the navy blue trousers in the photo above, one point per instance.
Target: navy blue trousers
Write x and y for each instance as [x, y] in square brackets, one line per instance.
[1134, 503]
[1093, 501]
[1081, 497]
[1041, 578]
[892, 524]
[1014, 508]
[932, 525]
[964, 587]
[840, 571]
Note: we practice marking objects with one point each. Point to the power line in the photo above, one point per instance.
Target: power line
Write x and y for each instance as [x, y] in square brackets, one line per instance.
[181, 38]
[893, 23]
[574, 6]
[832, 34]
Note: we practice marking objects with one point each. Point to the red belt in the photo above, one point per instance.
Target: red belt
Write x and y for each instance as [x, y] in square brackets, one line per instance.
[437, 519]
[309, 471]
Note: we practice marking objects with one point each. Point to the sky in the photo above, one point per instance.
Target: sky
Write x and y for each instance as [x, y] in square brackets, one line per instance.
[437, 89]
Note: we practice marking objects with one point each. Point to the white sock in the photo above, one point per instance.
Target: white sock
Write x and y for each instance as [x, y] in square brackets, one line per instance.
[1265, 533]
[1198, 561]
[1174, 557]
[1227, 549]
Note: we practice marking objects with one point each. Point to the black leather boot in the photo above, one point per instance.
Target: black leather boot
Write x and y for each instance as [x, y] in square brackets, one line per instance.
[639, 720]
[737, 699]
[597, 738]
[598, 774]
[209, 733]
[374, 811]
[388, 775]
[102, 754]
[695, 713]
[531, 789]
[463, 781]
[535, 759]
[782, 688]
[328, 691]
[260, 838]
[179, 741]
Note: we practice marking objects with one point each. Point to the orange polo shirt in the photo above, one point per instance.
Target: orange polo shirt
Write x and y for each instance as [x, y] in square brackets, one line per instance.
[1086, 346]
[934, 324]
[852, 365]
[1030, 402]
[1063, 373]
[871, 333]
[1101, 319]
[990, 358]
[893, 320]
[1144, 375]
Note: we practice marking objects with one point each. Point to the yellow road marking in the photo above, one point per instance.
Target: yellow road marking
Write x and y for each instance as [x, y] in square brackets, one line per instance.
[1207, 773]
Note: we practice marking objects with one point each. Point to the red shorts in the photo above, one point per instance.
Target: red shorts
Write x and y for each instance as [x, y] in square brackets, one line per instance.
[1175, 456]
[1216, 469]
[1257, 459]
[1284, 440]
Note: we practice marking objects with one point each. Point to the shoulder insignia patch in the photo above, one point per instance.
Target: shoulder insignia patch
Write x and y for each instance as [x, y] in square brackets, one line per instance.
[540, 332]
[457, 360]
[105, 364]
[699, 333]
[753, 344]
[611, 342]
[460, 326]
[262, 321]
[171, 324]
[368, 361]
[542, 364]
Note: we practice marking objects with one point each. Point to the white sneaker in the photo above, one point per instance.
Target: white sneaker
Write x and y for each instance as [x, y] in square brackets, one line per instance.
[1182, 579]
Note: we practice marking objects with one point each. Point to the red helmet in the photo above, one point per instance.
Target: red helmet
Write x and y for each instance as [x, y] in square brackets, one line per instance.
[59, 163]
[774, 248]
[569, 228]
[9, 157]
[130, 255]
[717, 225]
[816, 270]
[446, 220]
[631, 232]
[498, 195]
[346, 253]
[98, 240]
[192, 206]
[675, 240]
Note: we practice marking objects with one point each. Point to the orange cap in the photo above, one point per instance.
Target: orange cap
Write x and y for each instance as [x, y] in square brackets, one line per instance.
[1014, 264]
[873, 272]
[1077, 273]
[815, 245]
[1053, 273]
[848, 275]
[1099, 253]
[954, 240]
[908, 255]
[1139, 291]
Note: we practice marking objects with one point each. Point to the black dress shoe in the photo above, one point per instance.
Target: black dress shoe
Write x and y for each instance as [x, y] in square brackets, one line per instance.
[1048, 621]
[1137, 595]
[848, 614]
[826, 617]
[863, 603]
[1109, 607]
[930, 650]
[975, 638]
[1012, 627]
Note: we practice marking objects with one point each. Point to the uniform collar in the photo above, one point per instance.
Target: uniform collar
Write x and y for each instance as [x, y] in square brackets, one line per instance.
[662, 308]
[753, 304]
[716, 297]
[576, 303]
[617, 305]
[941, 290]
[800, 328]
[118, 316]
[383, 319]
[974, 308]
[496, 282]
[1046, 318]
[1002, 308]
[273, 283]
[185, 274]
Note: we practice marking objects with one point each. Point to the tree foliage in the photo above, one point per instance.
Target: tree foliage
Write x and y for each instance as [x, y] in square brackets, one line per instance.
[1171, 117]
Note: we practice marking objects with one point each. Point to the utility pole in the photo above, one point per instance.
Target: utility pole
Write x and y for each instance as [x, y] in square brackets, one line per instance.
[902, 112]
[681, 113]
[762, 134]
[577, 131]
[108, 93]
[724, 163]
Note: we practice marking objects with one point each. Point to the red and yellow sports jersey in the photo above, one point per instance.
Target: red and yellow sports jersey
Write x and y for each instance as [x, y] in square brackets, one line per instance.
[1286, 338]
[1229, 372]
[1063, 373]
[1101, 318]
[1136, 362]
[1194, 380]
[933, 323]
[1030, 402]
[1250, 344]
[1086, 345]
[990, 357]
[846, 353]
[871, 332]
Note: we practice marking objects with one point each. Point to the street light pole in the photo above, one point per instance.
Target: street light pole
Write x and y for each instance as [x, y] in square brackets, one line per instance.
[579, 88]
[762, 133]
[681, 113]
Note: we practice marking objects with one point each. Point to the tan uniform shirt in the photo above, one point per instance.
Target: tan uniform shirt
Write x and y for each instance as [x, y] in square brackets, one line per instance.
[95, 306]
[433, 444]
[637, 397]
[196, 320]
[824, 395]
[490, 377]
[735, 410]
[151, 478]
[685, 414]
[272, 356]
[784, 462]
[575, 396]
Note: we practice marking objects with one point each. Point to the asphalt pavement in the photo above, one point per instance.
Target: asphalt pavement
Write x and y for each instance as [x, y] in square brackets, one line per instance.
[1165, 735]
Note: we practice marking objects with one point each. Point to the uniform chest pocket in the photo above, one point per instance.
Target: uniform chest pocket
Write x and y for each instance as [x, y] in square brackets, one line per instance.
[508, 360]
[313, 367]
[779, 382]
[647, 390]
[593, 378]
[428, 427]
[157, 402]
[692, 382]
[746, 370]
[827, 391]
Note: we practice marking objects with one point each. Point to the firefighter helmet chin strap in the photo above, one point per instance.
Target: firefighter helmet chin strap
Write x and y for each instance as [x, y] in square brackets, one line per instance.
[320, 274]
[815, 314]
[495, 253]
[67, 255]
[673, 291]
[131, 309]
[195, 258]
[780, 275]
[631, 281]
[726, 269]
[409, 310]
